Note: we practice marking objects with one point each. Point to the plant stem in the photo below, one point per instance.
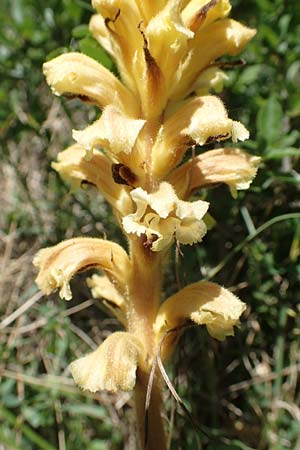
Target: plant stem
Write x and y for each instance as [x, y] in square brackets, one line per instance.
[150, 427]
[144, 292]
[144, 301]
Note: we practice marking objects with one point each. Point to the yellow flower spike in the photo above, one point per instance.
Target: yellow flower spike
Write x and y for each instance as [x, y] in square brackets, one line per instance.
[77, 75]
[198, 121]
[204, 303]
[73, 167]
[202, 12]
[223, 37]
[167, 38]
[228, 165]
[162, 217]
[112, 366]
[58, 264]
[113, 131]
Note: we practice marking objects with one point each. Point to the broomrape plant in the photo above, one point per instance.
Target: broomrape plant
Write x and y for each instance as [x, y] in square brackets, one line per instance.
[165, 52]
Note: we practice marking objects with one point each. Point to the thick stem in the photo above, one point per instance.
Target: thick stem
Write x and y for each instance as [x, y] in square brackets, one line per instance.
[143, 304]
[150, 426]
[144, 292]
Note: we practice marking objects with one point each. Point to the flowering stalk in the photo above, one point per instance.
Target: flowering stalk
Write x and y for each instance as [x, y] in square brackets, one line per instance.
[166, 52]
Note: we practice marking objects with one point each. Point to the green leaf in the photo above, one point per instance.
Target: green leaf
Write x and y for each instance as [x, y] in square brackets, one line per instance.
[91, 48]
[269, 121]
[80, 32]
[279, 153]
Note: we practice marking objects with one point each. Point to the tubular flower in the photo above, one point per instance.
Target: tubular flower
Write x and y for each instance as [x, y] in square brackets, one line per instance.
[73, 167]
[57, 264]
[77, 75]
[161, 216]
[228, 165]
[204, 303]
[199, 121]
[162, 104]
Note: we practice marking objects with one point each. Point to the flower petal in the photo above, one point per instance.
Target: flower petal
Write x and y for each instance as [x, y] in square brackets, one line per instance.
[168, 37]
[204, 303]
[78, 75]
[74, 167]
[58, 264]
[149, 9]
[231, 166]
[202, 12]
[122, 19]
[198, 121]
[101, 33]
[161, 216]
[101, 286]
[112, 366]
[113, 131]
[211, 80]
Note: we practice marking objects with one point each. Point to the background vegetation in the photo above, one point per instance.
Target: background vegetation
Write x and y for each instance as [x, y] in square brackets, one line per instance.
[245, 392]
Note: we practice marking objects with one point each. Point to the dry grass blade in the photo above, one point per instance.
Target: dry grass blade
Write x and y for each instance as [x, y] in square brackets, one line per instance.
[18, 312]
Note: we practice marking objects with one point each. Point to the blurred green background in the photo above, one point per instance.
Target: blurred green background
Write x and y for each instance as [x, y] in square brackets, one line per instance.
[244, 392]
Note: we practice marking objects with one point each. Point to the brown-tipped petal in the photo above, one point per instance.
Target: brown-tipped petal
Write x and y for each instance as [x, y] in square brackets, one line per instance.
[200, 13]
[113, 131]
[58, 264]
[112, 366]
[79, 76]
[101, 33]
[231, 166]
[74, 167]
[122, 19]
[199, 121]
[204, 303]
[224, 37]
[150, 81]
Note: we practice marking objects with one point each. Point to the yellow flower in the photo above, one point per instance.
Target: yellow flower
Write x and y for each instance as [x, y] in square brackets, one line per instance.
[58, 264]
[114, 132]
[74, 167]
[77, 75]
[161, 216]
[204, 303]
[228, 165]
[162, 49]
[199, 121]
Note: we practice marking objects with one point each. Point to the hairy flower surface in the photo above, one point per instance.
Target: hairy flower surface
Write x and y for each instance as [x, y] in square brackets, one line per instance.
[229, 165]
[205, 304]
[112, 366]
[58, 264]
